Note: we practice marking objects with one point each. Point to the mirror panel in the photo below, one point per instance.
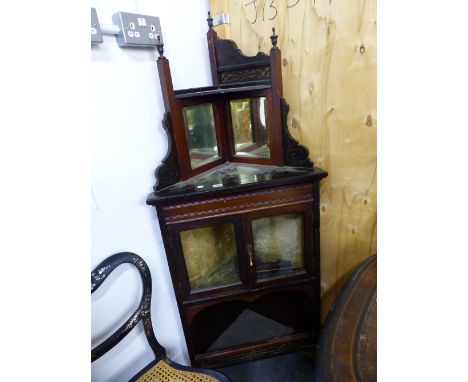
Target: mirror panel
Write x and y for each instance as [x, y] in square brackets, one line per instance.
[250, 127]
[201, 134]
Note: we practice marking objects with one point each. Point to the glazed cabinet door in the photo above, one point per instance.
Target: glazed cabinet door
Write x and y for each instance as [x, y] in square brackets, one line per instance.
[209, 256]
[279, 244]
[244, 252]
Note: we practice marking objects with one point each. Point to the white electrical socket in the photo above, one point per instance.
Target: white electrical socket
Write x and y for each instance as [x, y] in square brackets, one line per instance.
[96, 35]
[137, 30]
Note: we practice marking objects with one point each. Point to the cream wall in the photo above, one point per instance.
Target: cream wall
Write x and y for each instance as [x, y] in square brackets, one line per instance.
[127, 144]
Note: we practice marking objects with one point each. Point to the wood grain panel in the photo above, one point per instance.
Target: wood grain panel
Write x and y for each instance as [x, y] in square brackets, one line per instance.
[329, 80]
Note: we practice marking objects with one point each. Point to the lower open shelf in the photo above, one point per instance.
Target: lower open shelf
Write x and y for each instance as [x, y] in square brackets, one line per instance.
[236, 331]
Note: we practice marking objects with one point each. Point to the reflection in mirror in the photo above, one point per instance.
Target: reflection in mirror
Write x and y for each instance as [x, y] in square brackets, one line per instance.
[249, 127]
[201, 134]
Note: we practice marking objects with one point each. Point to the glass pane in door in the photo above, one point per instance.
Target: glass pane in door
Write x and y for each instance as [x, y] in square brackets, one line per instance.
[210, 255]
[278, 245]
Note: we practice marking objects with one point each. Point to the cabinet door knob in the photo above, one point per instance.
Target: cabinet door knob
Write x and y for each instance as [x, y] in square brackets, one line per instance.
[250, 254]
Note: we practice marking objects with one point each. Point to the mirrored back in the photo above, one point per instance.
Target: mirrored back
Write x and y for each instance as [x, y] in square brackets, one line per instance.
[201, 134]
[250, 127]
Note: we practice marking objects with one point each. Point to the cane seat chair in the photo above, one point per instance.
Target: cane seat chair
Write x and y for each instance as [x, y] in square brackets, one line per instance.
[162, 369]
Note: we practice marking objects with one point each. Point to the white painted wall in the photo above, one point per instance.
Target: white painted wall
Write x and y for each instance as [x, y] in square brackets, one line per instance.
[128, 143]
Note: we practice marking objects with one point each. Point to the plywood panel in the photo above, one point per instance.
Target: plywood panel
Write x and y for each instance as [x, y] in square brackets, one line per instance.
[329, 79]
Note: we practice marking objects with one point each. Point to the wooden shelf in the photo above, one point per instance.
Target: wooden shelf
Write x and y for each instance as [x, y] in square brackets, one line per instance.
[217, 90]
[234, 177]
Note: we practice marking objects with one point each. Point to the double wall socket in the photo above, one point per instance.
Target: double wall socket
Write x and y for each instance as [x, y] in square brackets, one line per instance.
[96, 35]
[137, 30]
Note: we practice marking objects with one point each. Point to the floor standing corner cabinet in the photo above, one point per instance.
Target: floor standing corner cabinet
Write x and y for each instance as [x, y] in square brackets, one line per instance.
[238, 205]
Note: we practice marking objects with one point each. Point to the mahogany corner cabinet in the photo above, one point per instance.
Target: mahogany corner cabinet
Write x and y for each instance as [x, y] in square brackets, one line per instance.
[237, 200]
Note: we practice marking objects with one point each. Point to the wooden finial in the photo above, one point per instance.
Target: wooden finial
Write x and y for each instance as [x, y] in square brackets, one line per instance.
[210, 20]
[160, 48]
[274, 38]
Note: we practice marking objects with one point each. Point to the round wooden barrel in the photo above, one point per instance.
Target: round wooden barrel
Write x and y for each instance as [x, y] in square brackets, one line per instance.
[347, 348]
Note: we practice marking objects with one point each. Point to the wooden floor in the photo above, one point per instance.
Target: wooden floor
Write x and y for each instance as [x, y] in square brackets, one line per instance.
[294, 367]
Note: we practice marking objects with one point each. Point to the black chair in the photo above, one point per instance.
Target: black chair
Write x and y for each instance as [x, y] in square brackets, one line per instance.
[161, 369]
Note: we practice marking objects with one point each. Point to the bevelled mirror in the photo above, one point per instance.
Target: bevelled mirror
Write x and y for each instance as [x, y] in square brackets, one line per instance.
[201, 134]
[250, 127]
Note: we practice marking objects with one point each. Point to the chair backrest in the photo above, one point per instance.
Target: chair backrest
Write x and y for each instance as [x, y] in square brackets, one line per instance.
[143, 312]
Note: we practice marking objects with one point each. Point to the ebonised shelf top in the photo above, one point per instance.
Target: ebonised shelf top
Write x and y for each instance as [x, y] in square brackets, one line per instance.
[221, 89]
[231, 177]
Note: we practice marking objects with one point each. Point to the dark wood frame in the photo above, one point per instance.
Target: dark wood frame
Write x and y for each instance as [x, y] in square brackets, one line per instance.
[236, 76]
[299, 198]
[271, 83]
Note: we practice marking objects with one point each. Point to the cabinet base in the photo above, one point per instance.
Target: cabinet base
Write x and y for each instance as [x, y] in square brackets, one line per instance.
[256, 350]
